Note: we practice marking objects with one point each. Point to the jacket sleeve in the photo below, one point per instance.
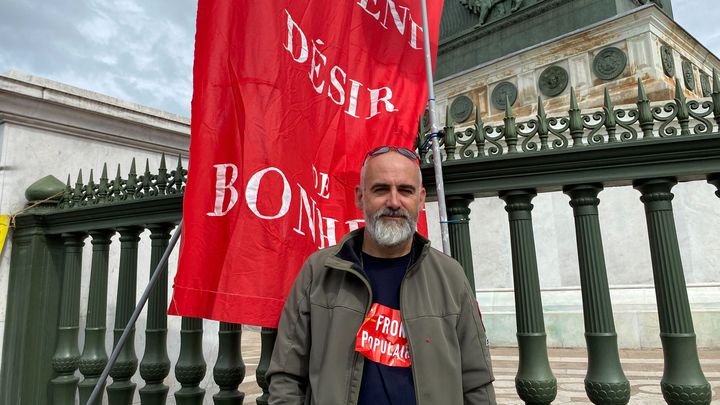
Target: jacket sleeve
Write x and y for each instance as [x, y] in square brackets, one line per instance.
[287, 373]
[477, 374]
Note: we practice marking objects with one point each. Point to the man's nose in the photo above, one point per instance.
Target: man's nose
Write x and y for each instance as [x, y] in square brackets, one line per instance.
[393, 200]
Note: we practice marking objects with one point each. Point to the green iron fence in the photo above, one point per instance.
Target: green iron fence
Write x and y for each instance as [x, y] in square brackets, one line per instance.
[649, 147]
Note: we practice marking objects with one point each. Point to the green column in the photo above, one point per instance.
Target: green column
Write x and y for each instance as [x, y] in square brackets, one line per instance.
[267, 342]
[94, 356]
[121, 391]
[458, 212]
[534, 382]
[683, 382]
[229, 370]
[67, 353]
[605, 382]
[190, 368]
[155, 364]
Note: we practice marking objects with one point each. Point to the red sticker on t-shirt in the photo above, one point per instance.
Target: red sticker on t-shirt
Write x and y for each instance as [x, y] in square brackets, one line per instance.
[382, 338]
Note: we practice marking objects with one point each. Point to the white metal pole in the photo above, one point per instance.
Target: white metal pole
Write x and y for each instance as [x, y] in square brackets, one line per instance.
[434, 130]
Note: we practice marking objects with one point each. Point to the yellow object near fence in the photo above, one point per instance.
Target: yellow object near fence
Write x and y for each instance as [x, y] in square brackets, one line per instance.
[4, 224]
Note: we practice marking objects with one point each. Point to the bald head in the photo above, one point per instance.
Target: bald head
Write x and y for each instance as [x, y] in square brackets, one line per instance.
[391, 195]
[396, 155]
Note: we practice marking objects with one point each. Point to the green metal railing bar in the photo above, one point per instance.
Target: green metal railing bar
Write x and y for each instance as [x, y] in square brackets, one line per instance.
[191, 367]
[267, 342]
[121, 391]
[458, 208]
[229, 370]
[155, 364]
[133, 319]
[94, 357]
[67, 354]
[534, 382]
[683, 382]
[605, 382]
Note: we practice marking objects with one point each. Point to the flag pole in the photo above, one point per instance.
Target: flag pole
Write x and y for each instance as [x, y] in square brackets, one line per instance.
[434, 131]
[133, 319]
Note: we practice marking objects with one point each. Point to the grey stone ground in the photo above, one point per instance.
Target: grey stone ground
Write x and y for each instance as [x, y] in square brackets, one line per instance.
[642, 367]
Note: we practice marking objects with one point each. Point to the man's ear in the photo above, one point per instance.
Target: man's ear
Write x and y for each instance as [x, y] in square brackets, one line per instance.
[358, 197]
[423, 193]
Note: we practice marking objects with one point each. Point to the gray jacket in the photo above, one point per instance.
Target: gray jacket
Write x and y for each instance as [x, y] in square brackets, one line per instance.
[314, 361]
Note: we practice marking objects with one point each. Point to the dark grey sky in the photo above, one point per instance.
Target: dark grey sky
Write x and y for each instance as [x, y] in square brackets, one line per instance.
[142, 50]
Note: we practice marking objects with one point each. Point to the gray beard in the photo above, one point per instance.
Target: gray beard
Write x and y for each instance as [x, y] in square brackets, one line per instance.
[391, 233]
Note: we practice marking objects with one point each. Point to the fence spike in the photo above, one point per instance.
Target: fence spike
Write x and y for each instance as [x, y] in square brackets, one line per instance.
[450, 141]
[67, 195]
[102, 192]
[162, 176]
[179, 177]
[510, 128]
[716, 97]
[575, 120]
[683, 115]
[131, 185]
[146, 178]
[90, 188]
[479, 132]
[543, 127]
[610, 122]
[645, 117]
[78, 191]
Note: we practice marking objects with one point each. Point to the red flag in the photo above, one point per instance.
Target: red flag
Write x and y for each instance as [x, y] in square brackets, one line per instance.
[289, 95]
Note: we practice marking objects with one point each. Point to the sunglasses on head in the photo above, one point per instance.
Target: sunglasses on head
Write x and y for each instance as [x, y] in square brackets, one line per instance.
[410, 154]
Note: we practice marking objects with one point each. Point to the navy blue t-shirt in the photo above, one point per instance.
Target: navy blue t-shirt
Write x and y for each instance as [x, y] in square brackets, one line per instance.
[385, 385]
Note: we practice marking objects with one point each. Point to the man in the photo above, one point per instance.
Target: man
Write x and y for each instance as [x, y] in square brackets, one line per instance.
[381, 318]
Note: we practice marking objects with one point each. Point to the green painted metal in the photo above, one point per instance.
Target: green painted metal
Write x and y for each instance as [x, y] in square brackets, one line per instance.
[597, 129]
[94, 356]
[543, 126]
[449, 140]
[534, 382]
[267, 342]
[229, 370]
[575, 121]
[605, 382]
[31, 318]
[609, 120]
[715, 96]
[155, 364]
[458, 211]
[690, 158]
[122, 389]
[190, 368]
[510, 130]
[47, 188]
[645, 117]
[683, 113]
[67, 353]
[683, 382]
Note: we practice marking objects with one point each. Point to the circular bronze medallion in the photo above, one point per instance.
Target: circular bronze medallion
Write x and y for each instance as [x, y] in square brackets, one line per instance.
[688, 75]
[553, 81]
[668, 62]
[461, 108]
[609, 63]
[502, 92]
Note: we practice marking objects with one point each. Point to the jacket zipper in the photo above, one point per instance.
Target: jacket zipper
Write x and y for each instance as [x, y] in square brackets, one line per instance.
[407, 330]
[367, 308]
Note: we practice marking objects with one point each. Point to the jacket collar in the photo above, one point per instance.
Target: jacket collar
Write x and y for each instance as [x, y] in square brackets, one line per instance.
[347, 254]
